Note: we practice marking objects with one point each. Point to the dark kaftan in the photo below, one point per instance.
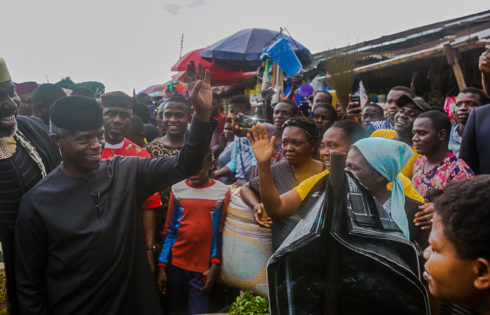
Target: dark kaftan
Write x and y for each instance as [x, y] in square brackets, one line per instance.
[79, 245]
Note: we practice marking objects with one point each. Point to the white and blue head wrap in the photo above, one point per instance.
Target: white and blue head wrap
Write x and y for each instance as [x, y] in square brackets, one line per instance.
[388, 157]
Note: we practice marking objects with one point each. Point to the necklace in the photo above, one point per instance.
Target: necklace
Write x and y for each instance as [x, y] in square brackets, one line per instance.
[4, 150]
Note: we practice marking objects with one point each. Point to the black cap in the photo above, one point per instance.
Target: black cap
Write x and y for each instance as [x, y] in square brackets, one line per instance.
[417, 101]
[78, 113]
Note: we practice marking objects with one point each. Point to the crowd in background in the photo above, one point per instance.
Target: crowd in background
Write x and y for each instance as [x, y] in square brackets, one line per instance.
[426, 170]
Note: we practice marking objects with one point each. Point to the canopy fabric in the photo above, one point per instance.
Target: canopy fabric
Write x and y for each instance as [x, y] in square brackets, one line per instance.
[181, 64]
[220, 76]
[242, 50]
[166, 89]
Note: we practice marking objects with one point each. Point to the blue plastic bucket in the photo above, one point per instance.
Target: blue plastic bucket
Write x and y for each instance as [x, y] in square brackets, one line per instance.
[282, 53]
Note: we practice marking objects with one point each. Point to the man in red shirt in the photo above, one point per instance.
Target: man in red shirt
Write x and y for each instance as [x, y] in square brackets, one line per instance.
[118, 108]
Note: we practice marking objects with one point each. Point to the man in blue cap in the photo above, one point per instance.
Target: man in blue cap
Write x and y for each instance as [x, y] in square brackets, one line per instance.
[78, 235]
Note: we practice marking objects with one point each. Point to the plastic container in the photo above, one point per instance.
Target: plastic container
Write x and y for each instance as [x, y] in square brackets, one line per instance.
[246, 249]
[282, 53]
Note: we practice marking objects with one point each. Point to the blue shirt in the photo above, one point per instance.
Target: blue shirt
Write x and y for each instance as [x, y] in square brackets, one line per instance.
[381, 124]
[455, 140]
[242, 159]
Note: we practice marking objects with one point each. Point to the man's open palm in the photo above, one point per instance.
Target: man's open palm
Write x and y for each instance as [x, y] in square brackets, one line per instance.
[199, 87]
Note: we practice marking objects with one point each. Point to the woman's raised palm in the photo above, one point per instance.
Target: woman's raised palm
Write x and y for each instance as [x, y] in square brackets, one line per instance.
[263, 148]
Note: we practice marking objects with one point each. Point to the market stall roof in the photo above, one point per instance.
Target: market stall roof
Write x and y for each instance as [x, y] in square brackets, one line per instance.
[410, 43]
[462, 44]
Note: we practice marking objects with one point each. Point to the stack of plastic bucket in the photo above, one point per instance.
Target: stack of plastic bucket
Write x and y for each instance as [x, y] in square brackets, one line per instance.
[282, 53]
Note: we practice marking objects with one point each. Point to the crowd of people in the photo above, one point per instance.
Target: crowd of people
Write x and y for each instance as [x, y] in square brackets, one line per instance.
[117, 205]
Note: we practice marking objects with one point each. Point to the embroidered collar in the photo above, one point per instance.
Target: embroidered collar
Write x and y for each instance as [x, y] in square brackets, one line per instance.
[114, 146]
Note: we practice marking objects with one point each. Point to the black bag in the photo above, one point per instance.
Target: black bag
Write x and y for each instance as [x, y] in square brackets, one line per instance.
[345, 256]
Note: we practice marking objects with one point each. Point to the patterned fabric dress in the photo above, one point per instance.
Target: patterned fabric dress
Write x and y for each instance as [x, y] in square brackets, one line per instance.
[4, 303]
[157, 149]
[451, 168]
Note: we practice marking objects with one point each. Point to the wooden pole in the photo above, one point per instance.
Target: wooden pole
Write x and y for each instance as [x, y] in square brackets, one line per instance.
[452, 59]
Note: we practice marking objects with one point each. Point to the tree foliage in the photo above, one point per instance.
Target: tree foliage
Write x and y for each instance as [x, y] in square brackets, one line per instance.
[97, 87]
[66, 83]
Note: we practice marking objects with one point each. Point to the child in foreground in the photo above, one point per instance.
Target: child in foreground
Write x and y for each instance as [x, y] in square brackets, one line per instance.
[191, 254]
[458, 257]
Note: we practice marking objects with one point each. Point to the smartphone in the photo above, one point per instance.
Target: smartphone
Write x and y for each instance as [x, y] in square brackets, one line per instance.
[269, 93]
[305, 108]
[356, 98]
[246, 122]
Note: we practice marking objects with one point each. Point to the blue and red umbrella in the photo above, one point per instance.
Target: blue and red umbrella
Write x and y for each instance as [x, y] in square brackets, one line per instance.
[220, 76]
[242, 50]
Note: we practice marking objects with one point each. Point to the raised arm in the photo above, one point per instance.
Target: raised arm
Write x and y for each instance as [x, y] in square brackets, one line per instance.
[276, 206]
[251, 199]
[156, 174]
[484, 65]
[200, 92]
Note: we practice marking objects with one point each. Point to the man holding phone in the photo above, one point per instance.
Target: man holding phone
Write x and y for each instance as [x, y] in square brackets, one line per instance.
[354, 109]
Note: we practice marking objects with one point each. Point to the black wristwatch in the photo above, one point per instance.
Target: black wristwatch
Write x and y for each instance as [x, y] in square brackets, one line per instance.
[152, 248]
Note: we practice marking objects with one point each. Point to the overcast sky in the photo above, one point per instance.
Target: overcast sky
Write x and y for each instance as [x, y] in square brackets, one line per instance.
[128, 44]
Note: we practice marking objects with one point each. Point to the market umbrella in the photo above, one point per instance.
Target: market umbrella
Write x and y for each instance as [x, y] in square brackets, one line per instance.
[242, 50]
[221, 79]
[154, 90]
[220, 76]
[166, 89]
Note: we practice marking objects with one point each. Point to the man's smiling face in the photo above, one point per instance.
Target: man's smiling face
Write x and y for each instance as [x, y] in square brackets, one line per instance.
[9, 102]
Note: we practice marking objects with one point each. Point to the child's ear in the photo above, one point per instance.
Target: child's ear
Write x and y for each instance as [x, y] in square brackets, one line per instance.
[482, 269]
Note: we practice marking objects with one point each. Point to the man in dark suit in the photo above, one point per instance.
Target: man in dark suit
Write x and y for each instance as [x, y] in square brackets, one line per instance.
[475, 147]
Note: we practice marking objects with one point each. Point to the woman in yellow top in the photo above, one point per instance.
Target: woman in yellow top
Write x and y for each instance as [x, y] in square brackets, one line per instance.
[409, 110]
[338, 138]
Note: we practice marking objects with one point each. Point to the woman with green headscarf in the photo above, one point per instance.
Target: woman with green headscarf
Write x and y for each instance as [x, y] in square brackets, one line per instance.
[378, 161]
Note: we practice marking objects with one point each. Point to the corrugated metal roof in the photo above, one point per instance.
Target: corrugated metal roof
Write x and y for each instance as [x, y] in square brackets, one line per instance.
[414, 39]
[478, 39]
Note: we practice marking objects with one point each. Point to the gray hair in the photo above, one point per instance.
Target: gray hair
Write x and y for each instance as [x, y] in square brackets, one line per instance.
[55, 130]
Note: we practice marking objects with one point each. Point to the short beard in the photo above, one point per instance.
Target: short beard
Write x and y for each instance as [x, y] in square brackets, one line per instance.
[8, 132]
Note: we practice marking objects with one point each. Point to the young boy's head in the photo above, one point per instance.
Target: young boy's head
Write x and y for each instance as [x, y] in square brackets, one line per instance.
[458, 256]
[202, 178]
[229, 133]
[240, 105]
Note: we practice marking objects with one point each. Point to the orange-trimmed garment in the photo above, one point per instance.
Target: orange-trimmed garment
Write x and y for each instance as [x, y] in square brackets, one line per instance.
[408, 190]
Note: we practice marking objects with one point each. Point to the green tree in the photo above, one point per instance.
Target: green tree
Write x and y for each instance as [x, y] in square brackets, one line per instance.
[66, 83]
[97, 87]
